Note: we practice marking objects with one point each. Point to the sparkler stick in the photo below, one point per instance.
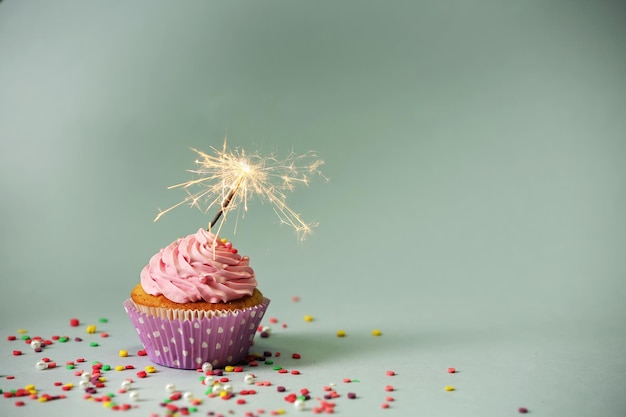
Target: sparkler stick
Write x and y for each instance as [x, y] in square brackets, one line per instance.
[239, 177]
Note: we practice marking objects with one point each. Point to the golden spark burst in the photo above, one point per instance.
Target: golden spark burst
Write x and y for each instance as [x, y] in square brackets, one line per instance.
[228, 180]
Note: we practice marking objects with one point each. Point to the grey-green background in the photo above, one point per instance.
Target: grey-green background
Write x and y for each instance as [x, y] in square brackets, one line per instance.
[475, 152]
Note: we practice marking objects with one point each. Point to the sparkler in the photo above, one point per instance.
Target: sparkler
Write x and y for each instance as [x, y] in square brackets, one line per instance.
[229, 179]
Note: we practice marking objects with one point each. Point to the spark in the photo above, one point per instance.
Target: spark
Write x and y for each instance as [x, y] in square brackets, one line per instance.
[227, 180]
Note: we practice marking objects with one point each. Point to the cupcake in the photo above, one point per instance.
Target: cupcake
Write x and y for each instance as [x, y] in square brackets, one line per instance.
[197, 302]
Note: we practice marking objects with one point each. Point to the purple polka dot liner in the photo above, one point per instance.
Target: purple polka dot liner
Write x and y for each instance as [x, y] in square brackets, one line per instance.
[186, 343]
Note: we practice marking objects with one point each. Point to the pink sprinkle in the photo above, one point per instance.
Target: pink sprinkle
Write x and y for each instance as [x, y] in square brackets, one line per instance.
[273, 320]
[104, 334]
[384, 405]
[388, 388]
[295, 299]
[390, 399]
[522, 410]
[390, 373]
[347, 380]
[451, 370]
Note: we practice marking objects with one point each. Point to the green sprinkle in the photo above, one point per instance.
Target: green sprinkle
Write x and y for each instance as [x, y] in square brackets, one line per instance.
[192, 409]
[301, 397]
[277, 368]
[25, 337]
[269, 362]
[167, 400]
[94, 344]
[103, 320]
[110, 395]
[69, 366]
[63, 339]
[106, 367]
[355, 380]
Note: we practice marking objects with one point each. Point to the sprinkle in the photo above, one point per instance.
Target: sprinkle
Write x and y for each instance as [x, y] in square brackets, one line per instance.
[389, 388]
[248, 379]
[391, 373]
[150, 369]
[341, 333]
[280, 388]
[295, 372]
[351, 395]
[229, 368]
[170, 388]
[141, 352]
[142, 374]
[123, 353]
[104, 334]
[103, 320]
[451, 370]
[35, 344]
[522, 410]
[384, 405]
[21, 331]
[74, 322]
[20, 404]
[273, 320]
[308, 318]
[296, 356]
[206, 367]
[17, 352]
[295, 299]
[449, 388]
[91, 328]
[41, 365]
[11, 338]
[376, 332]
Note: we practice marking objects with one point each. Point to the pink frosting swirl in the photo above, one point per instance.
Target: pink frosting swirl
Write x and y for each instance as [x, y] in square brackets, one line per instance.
[199, 267]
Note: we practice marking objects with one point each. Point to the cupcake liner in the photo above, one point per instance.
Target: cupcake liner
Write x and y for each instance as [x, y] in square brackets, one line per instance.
[187, 343]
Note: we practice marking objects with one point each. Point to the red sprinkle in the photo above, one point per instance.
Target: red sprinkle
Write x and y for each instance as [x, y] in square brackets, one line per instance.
[241, 401]
[388, 388]
[11, 338]
[522, 410]
[20, 404]
[295, 372]
[451, 370]
[392, 373]
[142, 374]
[17, 352]
[390, 399]
[385, 405]
[273, 320]
[296, 356]
[141, 353]
[104, 334]
[74, 322]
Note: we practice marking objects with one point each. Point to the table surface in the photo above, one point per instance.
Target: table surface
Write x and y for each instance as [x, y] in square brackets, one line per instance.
[474, 212]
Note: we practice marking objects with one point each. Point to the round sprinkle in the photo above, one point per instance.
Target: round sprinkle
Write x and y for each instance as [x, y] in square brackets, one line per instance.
[522, 410]
[449, 388]
[248, 379]
[206, 367]
[451, 370]
[299, 404]
[41, 365]
[209, 380]
[308, 318]
[170, 388]
[341, 333]
[134, 396]
[35, 344]
[376, 332]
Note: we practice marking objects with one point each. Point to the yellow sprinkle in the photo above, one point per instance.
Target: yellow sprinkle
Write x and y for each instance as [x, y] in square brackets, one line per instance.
[29, 387]
[341, 333]
[21, 331]
[91, 328]
[42, 399]
[32, 391]
[280, 411]
[449, 388]
[376, 332]
[70, 385]
[308, 318]
[223, 393]
[123, 353]
[150, 369]
[102, 379]
[119, 368]
[223, 240]
[229, 368]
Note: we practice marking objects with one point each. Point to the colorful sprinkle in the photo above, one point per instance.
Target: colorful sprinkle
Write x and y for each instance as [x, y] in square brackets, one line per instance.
[74, 322]
[376, 332]
[449, 388]
[308, 318]
[341, 333]
[91, 329]
[451, 370]
[522, 410]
